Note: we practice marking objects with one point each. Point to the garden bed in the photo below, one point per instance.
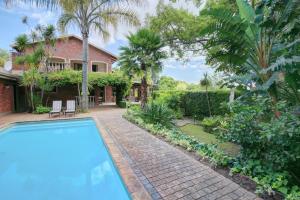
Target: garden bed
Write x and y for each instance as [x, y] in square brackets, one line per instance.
[204, 153]
[198, 132]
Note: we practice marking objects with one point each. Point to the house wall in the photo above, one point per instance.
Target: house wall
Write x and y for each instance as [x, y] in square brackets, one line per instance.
[6, 97]
[71, 49]
[62, 93]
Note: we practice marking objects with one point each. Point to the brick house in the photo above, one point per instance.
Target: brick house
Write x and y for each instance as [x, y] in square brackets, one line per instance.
[11, 94]
[67, 54]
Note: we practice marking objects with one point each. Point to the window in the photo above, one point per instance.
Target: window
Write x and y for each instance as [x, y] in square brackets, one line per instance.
[102, 67]
[94, 68]
[77, 66]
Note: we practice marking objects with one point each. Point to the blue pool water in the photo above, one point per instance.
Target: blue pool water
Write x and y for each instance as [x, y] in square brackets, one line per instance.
[63, 160]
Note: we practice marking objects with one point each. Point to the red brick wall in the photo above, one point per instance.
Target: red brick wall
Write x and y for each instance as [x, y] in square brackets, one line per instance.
[6, 97]
[62, 93]
[71, 49]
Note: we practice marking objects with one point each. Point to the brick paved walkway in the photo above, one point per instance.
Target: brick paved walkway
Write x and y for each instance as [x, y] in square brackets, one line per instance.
[166, 172]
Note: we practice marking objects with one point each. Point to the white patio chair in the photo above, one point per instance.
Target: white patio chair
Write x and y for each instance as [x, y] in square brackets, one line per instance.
[56, 108]
[71, 107]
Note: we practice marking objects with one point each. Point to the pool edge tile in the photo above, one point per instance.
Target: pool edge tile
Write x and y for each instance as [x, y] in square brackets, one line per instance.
[133, 185]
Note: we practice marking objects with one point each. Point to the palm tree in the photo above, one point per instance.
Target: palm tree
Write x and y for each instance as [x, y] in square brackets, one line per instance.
[97, 15]
[143, 55]
[21, 43]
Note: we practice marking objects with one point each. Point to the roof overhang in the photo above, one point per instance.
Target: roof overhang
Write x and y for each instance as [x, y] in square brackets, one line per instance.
[10, 77]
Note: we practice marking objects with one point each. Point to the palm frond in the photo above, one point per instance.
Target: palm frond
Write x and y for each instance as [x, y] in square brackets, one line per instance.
[115, 15]
[39, 3]
[65, 20]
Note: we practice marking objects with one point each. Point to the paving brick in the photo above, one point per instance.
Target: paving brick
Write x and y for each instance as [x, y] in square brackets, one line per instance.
[166, 172]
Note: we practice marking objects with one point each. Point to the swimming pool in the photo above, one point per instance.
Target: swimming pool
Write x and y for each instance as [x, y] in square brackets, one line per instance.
[59, 160]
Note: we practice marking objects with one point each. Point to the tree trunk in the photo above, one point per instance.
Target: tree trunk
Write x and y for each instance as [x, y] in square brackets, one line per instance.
[231, 96]
[84, 98]
[144, 86]
[31, 97]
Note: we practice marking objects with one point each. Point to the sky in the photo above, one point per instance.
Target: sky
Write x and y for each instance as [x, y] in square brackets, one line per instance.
[11, 26]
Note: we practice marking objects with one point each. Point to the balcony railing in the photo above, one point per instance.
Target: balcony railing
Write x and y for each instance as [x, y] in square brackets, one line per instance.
[91, 101]
[55, 66]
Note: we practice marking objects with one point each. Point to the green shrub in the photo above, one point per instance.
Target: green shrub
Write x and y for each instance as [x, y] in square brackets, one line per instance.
[157, 113]
[122, 104]
[211, 123]
[194, 103]
[172, 100]
[262, 135]
[270, 143]
[42, 109]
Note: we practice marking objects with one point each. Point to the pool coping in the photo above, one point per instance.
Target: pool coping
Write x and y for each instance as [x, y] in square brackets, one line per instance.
[134, 187]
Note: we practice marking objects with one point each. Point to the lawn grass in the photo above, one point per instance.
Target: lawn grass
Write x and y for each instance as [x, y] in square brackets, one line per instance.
[198, 132]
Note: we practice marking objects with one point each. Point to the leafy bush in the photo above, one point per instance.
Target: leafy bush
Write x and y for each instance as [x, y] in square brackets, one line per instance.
[267, 180]
[122, 104]
[157, 113]
[194, 103]
[270, 143]
[211, 123]
[42, 109]
[172, 100]
[262, 135]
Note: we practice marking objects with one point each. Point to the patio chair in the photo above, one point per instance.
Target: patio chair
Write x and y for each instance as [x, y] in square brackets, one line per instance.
[56, 108]
[71, 108]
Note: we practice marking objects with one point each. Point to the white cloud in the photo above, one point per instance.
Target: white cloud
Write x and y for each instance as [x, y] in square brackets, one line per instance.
[44, 17]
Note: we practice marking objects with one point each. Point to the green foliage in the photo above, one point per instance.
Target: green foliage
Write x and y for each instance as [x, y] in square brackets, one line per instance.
[176, 137]
[21, 42]
[195, 103]
[122, 104]
[66, 77]
[216, 157]
[167, 83]
[208, 138]
[266, 47]
[156, 113]
[42, 109]
[141, 57]
[178, 28]
[211, 123]
[267, 180]
[3, 57]
[270, 143]
[172, 100]
[262, 135]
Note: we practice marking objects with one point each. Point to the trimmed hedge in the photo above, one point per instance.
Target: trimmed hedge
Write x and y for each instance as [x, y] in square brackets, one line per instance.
[194, 103]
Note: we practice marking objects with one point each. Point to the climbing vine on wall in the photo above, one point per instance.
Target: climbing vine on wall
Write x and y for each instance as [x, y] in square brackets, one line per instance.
[71, 77]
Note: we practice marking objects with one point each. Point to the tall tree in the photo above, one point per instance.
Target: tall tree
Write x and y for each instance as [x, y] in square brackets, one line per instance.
[206, 82]
[142, 56]
[97, 15]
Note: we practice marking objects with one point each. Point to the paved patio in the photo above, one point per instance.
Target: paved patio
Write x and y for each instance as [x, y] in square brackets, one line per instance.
[166, 172]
